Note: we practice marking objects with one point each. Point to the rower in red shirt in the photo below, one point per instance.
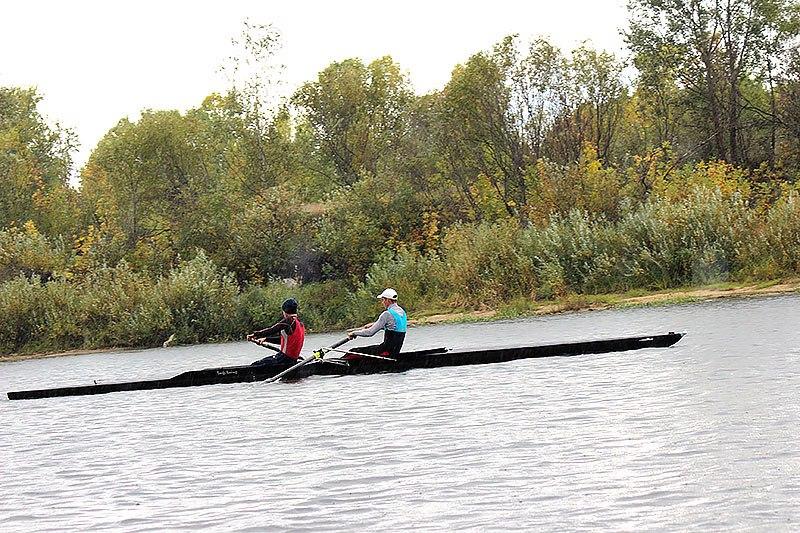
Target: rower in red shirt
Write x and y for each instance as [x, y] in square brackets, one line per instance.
[289, 331]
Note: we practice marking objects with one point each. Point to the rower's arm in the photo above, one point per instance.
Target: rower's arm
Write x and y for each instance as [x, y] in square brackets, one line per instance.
[373, 328]
[272, 333]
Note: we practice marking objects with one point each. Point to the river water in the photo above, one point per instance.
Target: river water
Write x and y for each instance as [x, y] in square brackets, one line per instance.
[700, 436]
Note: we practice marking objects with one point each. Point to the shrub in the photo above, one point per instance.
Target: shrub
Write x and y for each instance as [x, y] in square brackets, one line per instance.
[322, 305]
[264, 237]
[38, 316]
[418, 279]
[121, 307]
[780, 236]
[327, 305]
[260, 306]
[695, 240]
[573, 253]
[483, 264]
[201, 299]
[28, 252]
[21, 311]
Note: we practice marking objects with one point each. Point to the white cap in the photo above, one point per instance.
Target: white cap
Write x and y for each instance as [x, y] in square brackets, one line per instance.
[388, 293]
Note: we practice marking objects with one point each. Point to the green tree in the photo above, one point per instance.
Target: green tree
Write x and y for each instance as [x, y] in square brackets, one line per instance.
[355, 114]
[269, 237]
[35, 166]
[251, 118]
[787, 112]
[710, 49]
[508, 108]
[478, 132]
[156, 186]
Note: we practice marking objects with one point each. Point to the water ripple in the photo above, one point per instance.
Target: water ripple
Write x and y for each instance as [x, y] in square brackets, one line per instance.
[701, 436]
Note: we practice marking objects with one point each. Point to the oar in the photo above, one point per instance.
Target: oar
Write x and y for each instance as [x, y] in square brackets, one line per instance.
[275, 348]
[265, 344]
[316, 357]
[360, 354]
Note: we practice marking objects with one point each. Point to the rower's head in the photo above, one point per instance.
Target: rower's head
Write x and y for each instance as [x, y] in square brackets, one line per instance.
[388, 297]
[289, 306]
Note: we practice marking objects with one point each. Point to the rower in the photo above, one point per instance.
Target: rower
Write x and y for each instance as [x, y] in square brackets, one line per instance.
[289, 331]
[393, 323]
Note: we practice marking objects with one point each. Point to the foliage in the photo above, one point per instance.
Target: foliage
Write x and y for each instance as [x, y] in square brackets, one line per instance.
[483, 264]
[698, 60]
[507, 111]
[201, 300]
[269, 238]
[151, 187]
[534, 173]
[774, 249]
[420, 278]
[27, 252]
[35, 164]
[704, 237]
[378, 213]
[356, 115]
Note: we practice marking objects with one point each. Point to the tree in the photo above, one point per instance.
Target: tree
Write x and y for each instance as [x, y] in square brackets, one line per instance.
[598, 77]
[710, 49]
[156, 186]
[252, 116]
[508, 108]
[787, 111]
[35, 165]
[355, 114]
[258, 152]
[478, 131]
[540, 92]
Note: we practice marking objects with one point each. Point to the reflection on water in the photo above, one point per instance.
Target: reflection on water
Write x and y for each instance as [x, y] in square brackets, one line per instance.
[702, 435]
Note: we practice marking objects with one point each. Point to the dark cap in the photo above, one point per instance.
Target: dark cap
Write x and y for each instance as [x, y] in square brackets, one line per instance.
[289, 306]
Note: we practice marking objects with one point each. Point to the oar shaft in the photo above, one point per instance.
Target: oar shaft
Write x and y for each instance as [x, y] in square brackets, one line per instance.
[303, 362]
[361, 354]
[291, 368]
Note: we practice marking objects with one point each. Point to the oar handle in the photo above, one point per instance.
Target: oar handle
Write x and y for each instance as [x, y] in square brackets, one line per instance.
[337, 344]
[266, 345]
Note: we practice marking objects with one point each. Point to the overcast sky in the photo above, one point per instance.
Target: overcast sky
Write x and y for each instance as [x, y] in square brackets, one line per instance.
[96, 62]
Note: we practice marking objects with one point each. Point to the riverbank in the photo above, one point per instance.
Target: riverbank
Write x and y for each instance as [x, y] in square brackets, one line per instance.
[581, 302]
[573, 303]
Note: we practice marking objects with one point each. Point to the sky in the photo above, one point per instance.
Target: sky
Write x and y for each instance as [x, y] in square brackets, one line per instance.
[96, 62]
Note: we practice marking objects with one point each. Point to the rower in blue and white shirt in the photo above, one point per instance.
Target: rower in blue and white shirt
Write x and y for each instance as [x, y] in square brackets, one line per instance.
[392, 321]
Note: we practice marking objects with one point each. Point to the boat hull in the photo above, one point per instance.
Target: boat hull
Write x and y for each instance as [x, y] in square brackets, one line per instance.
[432, 358]
[497, 355]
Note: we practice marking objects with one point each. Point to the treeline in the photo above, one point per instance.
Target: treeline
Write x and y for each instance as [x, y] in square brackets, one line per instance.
[533, 173]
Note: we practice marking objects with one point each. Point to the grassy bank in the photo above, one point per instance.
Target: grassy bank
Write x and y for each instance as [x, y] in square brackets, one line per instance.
[650, 254]
[524, 308]
[597, 302]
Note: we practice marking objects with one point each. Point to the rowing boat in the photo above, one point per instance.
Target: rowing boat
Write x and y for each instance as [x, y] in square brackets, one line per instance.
[431, 358]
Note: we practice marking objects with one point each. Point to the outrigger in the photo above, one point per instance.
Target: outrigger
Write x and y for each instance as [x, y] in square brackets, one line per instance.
[353, 363]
